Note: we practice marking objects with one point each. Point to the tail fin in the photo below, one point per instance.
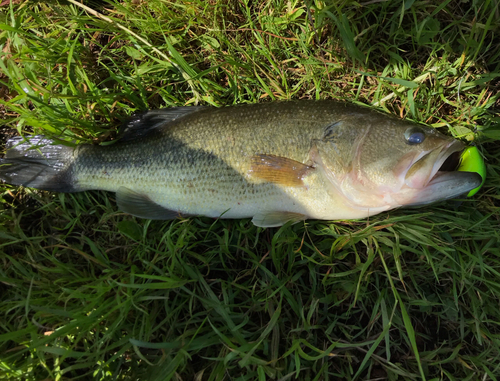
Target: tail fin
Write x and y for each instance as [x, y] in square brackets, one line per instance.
[38, 163]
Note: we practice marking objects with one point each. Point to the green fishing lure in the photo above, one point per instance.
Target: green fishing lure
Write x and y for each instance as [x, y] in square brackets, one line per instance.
[472, 161]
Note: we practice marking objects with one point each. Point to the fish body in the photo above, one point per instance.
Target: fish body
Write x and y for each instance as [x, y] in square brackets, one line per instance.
[273, 162]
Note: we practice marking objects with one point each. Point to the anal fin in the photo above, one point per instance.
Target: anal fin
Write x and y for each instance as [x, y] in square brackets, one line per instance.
[140, 205]
[277, 218]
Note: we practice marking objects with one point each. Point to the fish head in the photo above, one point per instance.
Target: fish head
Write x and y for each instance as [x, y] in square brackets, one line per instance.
[397, 163]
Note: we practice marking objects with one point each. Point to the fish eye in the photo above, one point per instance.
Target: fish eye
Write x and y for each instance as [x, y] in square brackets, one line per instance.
[414, 135]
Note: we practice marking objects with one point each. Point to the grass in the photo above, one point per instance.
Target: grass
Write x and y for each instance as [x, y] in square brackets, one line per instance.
[90, 293]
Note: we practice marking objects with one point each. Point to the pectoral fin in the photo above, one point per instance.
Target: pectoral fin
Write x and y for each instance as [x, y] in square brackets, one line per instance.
[273, 219]
[278, 170]
[140, 205]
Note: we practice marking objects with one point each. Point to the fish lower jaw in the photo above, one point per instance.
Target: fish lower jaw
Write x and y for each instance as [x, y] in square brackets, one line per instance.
[442, 186]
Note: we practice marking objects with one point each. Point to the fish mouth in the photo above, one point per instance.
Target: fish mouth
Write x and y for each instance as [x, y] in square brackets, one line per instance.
[443, 180]
[451, 162]
[448, 160]
[427, 165]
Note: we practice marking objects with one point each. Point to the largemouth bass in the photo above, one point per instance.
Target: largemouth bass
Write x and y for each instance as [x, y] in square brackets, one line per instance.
[273, 162]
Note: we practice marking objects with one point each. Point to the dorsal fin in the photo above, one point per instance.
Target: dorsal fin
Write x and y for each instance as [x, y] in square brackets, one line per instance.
[142, 124]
